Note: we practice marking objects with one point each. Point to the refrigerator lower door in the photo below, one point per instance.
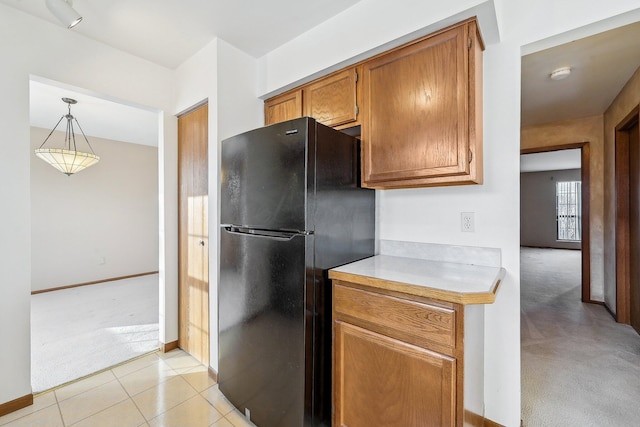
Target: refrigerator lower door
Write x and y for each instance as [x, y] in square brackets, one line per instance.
[263, 316]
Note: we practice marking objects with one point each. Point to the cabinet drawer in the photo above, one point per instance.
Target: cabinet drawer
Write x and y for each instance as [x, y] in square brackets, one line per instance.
[414, 322]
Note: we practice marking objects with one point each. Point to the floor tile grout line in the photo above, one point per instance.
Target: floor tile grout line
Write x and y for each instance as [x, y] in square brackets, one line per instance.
[155, 384]
[187, 370]
[133, 401]
[168, 409]
[95, 413]
[2, 423]
[59, 409]
[101, 371]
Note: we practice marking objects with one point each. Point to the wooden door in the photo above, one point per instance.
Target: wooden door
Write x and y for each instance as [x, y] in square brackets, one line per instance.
[381, 381]
[193, 232]
[332, 100]
[283, 107]
[634, 227]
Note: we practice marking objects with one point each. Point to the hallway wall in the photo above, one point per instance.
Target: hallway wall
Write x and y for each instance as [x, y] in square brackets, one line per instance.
[585, 129]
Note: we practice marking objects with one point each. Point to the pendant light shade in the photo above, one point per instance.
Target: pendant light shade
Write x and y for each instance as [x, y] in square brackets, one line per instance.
[66, 14]
[68, 159]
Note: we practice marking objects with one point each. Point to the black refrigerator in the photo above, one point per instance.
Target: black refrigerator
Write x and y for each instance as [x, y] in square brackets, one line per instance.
[291, 208]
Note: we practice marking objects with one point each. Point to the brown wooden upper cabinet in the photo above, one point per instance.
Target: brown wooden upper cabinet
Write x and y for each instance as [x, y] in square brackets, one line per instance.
[422, 123]
[332, 100]
[419, 107]
[283, 107]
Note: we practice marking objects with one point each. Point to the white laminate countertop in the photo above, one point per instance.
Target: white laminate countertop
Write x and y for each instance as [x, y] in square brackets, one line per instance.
[446, 281]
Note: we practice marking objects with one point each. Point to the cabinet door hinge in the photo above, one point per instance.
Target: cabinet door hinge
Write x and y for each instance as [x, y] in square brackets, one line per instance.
[470, 155]
[469, 42]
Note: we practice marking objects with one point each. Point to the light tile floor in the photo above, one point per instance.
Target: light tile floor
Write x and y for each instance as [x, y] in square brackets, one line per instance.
[159, 389]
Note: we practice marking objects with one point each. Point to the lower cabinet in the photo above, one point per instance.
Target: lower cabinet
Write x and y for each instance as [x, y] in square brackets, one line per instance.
[402, 361]
[381, 381]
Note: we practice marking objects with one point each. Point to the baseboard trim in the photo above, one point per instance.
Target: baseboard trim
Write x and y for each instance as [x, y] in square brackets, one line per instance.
[489, 423]
[14, 405]
[95, 282]
[213, 374]
[165, 348]
[473, 419]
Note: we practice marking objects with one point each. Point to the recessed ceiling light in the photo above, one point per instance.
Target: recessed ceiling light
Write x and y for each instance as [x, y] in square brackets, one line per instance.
[560, 73]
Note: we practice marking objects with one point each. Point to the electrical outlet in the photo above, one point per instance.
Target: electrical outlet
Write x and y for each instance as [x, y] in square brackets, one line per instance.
[102, 260]
[467, 222]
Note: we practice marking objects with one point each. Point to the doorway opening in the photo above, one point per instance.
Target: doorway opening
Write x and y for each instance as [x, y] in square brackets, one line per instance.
[582, 149]
[95, 238]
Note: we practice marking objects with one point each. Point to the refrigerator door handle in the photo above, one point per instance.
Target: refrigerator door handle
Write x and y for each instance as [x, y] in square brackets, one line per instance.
[266, 234]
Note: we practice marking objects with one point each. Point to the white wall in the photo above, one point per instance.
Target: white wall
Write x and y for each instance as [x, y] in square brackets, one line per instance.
[99, 224]
[433, 214]
[32, 46]
[226, 77]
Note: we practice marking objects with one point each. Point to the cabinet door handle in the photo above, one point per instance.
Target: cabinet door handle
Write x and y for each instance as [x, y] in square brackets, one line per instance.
[201, 243]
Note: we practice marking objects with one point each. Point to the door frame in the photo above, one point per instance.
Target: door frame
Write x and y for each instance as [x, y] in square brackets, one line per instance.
[622, 217]
[585, 177]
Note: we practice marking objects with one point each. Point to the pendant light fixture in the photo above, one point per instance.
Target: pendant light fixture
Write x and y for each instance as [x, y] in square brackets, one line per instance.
[68, 159]
[65, 13]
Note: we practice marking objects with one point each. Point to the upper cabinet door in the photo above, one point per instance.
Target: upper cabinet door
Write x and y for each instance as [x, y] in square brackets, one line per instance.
[283, 107]
[332, 100]
[420, 125]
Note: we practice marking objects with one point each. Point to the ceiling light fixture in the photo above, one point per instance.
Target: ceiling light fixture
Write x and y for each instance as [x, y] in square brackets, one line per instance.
[560, 73]
[64, 12]
[67, 159]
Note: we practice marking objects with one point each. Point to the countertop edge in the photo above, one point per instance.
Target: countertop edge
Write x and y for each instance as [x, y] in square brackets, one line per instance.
[424, 291]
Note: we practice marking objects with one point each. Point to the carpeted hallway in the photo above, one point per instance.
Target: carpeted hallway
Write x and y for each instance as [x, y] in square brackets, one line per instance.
[579, 367]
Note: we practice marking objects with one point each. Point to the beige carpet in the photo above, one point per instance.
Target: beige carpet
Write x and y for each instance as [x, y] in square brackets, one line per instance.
[579, 367]
[79, 331]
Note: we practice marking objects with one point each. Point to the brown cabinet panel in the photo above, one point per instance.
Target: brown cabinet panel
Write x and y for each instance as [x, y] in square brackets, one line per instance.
[419, 112]
[332, 100]
[401, 360]
[283, 107]
[380, 381]
[411, 321]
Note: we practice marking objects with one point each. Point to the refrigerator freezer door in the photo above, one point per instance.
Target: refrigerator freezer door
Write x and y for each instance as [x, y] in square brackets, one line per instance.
[264, 177]
[262, 321]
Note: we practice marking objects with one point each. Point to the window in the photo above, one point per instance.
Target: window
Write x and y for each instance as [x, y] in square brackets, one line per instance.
[569, 210]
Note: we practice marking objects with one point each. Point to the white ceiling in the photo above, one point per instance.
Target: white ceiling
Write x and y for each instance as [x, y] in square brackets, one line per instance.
[97, 116]
[168, 32]
[600, 66]
[550, 161]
